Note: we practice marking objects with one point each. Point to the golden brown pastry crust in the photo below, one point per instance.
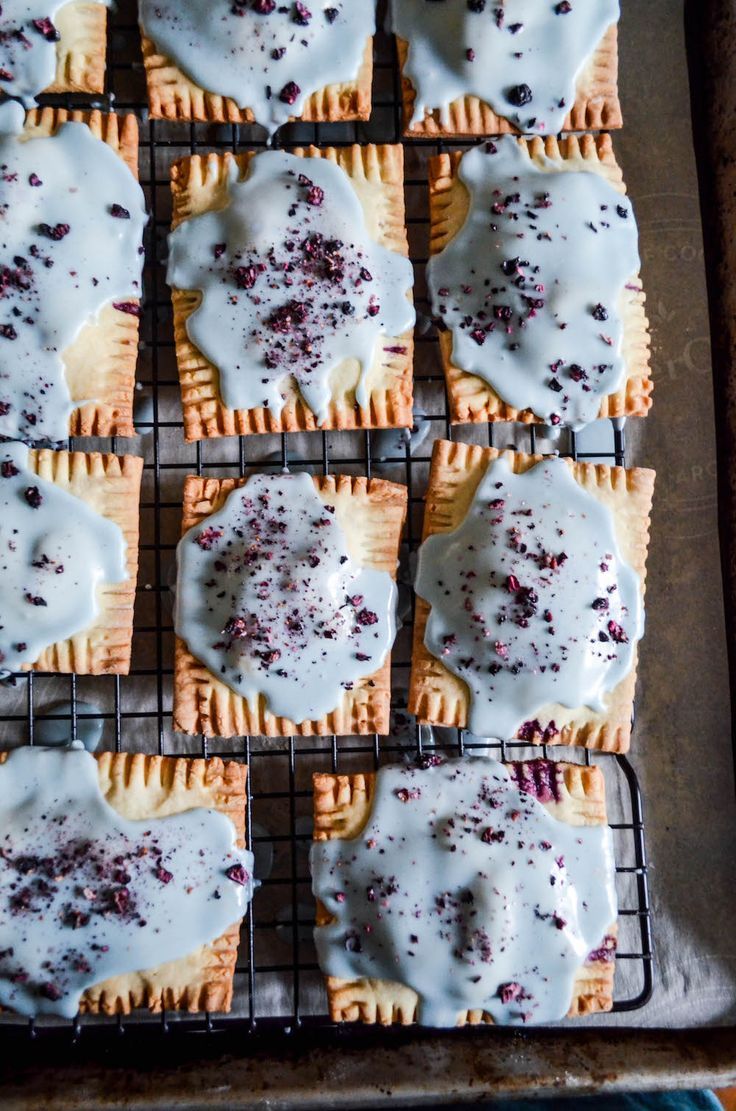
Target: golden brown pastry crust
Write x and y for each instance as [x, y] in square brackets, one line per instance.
[372, 513]
[139, 786]
[81, 49]
[474, 400]
[102, 360]
[377, 173]
[110, 484]
[173, 96]
[436, 695]
[596, 104]
[342, 805]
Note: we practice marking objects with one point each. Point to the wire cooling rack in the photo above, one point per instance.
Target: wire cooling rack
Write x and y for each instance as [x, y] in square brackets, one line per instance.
[278, 986]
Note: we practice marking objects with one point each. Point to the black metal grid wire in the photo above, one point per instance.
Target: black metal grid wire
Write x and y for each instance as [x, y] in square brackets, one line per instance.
[277, 978]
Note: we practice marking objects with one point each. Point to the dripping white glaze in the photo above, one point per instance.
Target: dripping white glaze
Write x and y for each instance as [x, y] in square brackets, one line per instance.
[28, 38]
[55, 551]
[291, 281]
[269, 598]
[465, 888]
[71, 223]
[266, 56]
[532, 284]
[86, 894]
[531, 600]
[523, 58]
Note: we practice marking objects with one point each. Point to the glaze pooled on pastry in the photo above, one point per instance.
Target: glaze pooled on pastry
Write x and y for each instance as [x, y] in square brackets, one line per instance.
[465, 888]
[28, 38]
[55, 551]
[72, 224]
[522, 57]
[270, 599]
[266, 56]
[292, 283]
[86, 894]
[531, 601]
[531, 286]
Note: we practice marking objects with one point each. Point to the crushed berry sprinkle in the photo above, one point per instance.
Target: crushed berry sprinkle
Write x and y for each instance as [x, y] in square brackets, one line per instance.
[47, 29]
[289, 93]
[57, 232]
[119, 212]
[519, 95]
[34, 497]
[238, 874]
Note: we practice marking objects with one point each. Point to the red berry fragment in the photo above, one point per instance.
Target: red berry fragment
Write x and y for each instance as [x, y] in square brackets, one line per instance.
[57, 232]
[238, 874]
[289, 93]
[47, 29]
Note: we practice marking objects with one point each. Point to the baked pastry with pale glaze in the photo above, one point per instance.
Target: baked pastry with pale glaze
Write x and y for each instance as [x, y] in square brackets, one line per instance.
[440, 697]
[342, 808]
[371, 513]
[472, 399]
[110, 485]
[596, 106]
[101, 363]
[199, 185]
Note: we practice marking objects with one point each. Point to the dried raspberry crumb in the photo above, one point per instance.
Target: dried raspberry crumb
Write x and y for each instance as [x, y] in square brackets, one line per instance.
[47, 29]
[57, 232]
[238, 874]
[289, 93]
[33, 496]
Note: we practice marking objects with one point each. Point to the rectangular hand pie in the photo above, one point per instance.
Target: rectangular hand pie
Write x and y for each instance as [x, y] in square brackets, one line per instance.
[370, 513]
[472, 398]
[110, 485]
[78, 38]
[172, 95]
[100, 365]
[294, 334]
[347, 808]
[521, 606]
[596, 104]
[140, 789]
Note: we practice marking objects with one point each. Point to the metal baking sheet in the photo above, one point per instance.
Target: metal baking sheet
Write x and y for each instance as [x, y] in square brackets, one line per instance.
[682, 740]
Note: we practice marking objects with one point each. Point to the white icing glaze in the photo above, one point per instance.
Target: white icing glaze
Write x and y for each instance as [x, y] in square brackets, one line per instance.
[292, 283]
[463, 887]
[531, 600]
[266, 56]
[532, 284]
[55, 725]
[64, 256]
[86, 894]
[28, 38]
[520, 57]
[55, 551]
[269, 598]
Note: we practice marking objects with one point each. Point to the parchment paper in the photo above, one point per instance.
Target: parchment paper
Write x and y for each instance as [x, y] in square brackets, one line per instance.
[681, 746]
